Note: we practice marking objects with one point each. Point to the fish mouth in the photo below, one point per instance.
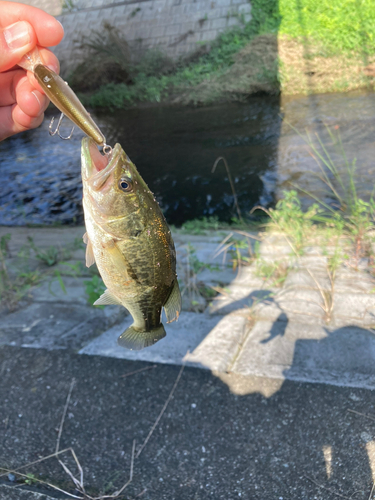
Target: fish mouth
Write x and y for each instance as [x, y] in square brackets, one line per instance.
[97, 168]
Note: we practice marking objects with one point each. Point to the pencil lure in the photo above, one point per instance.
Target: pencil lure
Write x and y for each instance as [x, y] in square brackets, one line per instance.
[62, 96]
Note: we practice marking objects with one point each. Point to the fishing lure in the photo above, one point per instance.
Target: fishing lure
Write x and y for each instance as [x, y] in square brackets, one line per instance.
[63, 97]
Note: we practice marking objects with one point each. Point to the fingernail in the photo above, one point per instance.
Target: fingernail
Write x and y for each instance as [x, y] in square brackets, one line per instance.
[17, 35]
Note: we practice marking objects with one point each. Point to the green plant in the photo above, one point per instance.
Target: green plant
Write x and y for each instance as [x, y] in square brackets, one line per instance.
[347, 213]
[338, 26]
[289, 218]
[50, 256]
[31, 478]
[274, 272]
[94, 289]
[14, 286]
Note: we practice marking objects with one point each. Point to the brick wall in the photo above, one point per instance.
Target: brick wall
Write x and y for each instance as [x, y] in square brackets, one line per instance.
[174, 26]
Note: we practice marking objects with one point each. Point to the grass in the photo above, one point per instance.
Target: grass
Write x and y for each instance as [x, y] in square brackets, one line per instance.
[20, 273]
[336, 25]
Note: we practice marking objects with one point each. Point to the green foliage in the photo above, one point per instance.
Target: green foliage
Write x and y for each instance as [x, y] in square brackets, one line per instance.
[51, 256]
[340, 25]
[14, 287]
[274, 272]
[31, 478]
[237, 257]
[200, 226]
[94, 289]
[289, 217]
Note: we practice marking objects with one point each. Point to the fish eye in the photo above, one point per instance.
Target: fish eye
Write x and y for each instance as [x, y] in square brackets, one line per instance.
[125, 184]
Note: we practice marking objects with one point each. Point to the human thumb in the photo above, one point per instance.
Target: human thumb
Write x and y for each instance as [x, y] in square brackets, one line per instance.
[15, 41]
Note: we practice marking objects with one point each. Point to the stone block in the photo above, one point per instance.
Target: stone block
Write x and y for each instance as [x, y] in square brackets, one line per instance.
[354, 308]
[51, 291]
[182, 336]
[218, 23]
[56, 325]
[237, 298]
[311, 353]
[172, 29]
[222, 3]
[244, 8]
[218, 349]
[208, 35]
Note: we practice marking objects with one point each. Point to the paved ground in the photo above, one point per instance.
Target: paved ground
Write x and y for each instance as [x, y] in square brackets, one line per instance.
[221, 437]
[244, 426]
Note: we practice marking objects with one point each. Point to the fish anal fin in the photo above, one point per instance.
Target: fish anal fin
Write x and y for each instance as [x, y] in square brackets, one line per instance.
[107, 299]
[135, 339]
[172, 307]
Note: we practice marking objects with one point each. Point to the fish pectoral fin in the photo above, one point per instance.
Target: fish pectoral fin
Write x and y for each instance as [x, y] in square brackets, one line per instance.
[107, 299]
[135, 339]
[90, 258]
[120, 262]
[172, 307]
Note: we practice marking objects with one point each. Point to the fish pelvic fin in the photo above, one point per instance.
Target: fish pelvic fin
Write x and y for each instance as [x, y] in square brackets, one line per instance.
[135, 339]
[172, 307]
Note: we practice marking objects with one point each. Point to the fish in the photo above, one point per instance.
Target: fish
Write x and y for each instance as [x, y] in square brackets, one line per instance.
[130, 241]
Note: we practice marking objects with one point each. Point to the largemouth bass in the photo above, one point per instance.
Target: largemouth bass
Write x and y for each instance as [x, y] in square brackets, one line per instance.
[129, 239]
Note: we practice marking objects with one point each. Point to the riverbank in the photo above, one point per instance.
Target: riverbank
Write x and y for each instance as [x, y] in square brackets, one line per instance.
[282, 49]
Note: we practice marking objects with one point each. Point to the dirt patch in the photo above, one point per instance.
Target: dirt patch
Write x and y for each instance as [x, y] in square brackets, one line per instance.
[305, 69]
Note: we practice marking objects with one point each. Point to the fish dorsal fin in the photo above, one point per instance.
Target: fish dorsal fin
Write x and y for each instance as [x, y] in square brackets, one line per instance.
[90, 258]
[172, 307]
[107, 299]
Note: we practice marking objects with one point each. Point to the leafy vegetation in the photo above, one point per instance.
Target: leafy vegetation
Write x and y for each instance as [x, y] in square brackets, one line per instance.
[333, 24]
[94, 289]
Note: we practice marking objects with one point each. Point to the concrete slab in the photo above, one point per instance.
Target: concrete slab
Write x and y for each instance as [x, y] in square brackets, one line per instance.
[236, 297]
[51, 291]
[218, 349]
[48, 326]
[182, 336]
[309, 353]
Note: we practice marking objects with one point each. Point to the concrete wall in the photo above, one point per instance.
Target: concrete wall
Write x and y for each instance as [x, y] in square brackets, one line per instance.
[174, 26]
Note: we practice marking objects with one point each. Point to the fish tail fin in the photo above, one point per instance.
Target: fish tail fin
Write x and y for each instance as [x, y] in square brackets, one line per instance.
[135, 339]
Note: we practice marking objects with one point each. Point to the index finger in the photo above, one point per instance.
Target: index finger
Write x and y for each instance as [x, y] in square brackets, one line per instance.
[48, 30]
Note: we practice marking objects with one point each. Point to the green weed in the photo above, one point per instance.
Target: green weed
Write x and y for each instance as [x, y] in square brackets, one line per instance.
[94, 289]
[51, 256]
[275, 273]
[289, 218]
[337, 25]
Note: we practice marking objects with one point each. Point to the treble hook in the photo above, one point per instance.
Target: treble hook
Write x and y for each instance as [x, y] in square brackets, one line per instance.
[57, 130]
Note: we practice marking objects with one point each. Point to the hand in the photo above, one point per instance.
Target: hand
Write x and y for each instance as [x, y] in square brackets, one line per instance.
[22, 101]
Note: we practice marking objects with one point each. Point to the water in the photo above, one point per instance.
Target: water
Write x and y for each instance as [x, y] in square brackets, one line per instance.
[175, 149]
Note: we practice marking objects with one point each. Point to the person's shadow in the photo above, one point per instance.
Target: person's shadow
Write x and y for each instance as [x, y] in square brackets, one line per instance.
[278, 328]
